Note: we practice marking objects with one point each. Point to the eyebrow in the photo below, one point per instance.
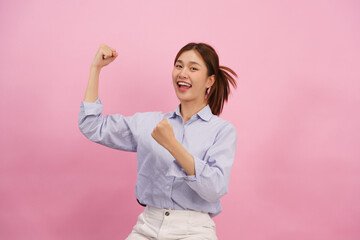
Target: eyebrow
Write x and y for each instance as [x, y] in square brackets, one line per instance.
[192, 62]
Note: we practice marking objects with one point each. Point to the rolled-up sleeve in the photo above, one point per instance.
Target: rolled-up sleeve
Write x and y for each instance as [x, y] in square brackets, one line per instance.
[114, 131]
[212, 174]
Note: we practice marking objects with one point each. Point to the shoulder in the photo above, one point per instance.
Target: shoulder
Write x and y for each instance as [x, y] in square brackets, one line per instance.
[221, 123]
[225, 131]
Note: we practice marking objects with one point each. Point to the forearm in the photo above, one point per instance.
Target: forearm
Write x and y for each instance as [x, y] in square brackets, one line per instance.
[92, 90]
[183, 157]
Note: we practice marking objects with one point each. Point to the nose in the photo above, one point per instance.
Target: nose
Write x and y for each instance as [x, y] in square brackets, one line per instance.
[183, 73]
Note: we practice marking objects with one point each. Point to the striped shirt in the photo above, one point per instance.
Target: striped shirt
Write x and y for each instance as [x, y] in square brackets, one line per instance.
[161, 181]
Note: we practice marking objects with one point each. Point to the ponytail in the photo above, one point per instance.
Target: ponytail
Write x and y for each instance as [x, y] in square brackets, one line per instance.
[220, 90]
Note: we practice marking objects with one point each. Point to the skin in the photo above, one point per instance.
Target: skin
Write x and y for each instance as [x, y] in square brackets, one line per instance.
[189, 68]
[103, 57]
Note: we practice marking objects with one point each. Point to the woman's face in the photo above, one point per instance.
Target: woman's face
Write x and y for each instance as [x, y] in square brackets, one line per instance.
[190, 77]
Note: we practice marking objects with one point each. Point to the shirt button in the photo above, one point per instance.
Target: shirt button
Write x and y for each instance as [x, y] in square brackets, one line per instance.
[167, 213]
[167, 187]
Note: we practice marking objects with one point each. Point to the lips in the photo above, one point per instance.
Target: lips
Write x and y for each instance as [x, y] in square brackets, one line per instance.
[183, 85]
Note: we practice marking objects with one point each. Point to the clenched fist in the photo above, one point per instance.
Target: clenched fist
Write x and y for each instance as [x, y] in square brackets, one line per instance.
[163, 133]
[104, 56]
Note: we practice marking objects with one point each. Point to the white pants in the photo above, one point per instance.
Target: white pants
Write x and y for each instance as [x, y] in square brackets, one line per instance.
[163, 224]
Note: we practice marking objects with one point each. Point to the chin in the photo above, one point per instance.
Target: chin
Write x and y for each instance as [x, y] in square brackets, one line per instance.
[182, 98]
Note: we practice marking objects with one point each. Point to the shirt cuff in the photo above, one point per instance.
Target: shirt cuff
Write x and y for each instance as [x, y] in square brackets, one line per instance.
[175, 170]
[92, 108]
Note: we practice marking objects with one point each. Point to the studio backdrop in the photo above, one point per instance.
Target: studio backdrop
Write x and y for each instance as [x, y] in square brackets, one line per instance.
[296, 174]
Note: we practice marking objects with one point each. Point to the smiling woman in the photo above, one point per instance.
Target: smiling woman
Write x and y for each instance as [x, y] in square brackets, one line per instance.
[191, 81]
[184, 157]
[202, 61]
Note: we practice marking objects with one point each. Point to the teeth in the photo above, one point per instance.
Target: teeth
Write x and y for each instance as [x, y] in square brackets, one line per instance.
[184, 84]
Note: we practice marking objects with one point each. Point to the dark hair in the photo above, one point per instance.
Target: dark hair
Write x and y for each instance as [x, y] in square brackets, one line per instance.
[220, 90]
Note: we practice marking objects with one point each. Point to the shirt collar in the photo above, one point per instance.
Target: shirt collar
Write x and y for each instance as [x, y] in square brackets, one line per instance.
[205, 113]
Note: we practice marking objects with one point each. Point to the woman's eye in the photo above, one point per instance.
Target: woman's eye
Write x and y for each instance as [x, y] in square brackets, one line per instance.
[178, 66]
[193, 69]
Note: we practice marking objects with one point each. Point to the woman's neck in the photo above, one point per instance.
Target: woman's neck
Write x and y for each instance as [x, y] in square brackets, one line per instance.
[188, 109]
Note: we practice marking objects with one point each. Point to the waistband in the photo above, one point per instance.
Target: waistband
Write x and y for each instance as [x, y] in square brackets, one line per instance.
[180, 213]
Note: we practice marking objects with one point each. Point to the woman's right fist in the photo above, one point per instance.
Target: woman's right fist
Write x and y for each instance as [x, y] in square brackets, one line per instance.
[104, 56]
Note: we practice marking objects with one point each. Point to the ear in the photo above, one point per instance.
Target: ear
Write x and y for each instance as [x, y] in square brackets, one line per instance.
[210, 81]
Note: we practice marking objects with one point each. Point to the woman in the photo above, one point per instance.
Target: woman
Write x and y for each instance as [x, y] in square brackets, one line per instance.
[184, 157]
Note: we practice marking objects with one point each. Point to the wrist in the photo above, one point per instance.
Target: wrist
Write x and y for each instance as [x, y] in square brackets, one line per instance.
[172, 145]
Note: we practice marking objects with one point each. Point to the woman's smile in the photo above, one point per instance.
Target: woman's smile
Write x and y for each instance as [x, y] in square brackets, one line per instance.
[183, 86]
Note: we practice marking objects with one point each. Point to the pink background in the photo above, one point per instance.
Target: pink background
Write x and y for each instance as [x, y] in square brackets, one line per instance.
[297, 170]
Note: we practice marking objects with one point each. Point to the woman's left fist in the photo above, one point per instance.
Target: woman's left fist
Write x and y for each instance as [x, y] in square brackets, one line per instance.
[163, 133]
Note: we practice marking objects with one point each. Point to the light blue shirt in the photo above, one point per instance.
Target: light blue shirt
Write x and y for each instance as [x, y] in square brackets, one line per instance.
[161, 181]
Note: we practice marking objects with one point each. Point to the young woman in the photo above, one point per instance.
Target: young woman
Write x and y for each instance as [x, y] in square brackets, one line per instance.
[184, 157]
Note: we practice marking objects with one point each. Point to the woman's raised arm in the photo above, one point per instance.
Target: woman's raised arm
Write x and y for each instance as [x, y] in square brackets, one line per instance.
[104, 56]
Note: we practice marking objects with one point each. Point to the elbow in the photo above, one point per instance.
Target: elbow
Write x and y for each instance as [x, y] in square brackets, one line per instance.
[84, 131]
[82, 123]
[218, 196]
[213, 187]
[91, 124]
[84, 128]
[89, 130]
